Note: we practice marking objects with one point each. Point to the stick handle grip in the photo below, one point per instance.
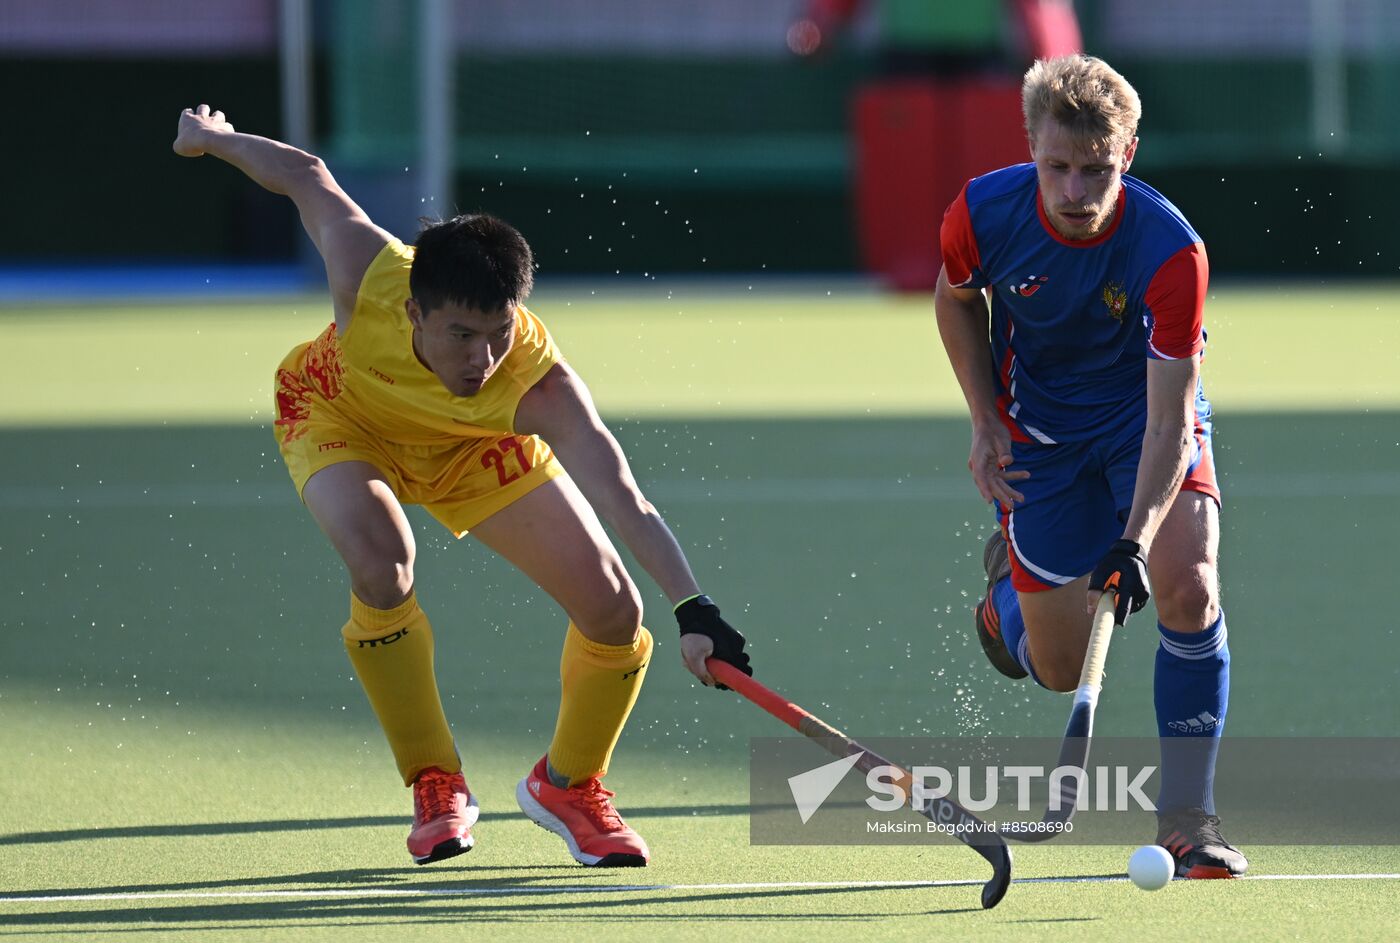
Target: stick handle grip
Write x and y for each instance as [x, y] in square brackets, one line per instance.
[1097, 654]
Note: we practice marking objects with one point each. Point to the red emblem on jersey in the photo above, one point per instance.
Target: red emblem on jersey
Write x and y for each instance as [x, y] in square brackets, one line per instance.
[1031, 285]
[323, 366]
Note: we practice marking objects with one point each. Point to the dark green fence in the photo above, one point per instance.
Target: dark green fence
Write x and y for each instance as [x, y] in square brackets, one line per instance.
[691, 164]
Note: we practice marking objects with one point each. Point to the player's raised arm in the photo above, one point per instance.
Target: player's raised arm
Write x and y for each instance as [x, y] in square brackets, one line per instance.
[346, 238]
[560, 410]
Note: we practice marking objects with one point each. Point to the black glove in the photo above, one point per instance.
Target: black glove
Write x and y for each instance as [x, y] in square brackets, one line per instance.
[700, 616]
[1124, 570]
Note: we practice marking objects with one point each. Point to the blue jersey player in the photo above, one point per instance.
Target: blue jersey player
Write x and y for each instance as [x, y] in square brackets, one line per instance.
[1070, 305]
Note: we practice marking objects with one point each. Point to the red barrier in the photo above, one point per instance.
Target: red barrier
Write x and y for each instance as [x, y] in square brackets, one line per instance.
[917, 142]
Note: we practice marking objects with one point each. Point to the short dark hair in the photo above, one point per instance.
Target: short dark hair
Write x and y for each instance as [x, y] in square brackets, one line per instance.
[474, 260]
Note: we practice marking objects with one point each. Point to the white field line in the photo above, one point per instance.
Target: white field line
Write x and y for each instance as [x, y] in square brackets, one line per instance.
[118, 495]
[370, 892]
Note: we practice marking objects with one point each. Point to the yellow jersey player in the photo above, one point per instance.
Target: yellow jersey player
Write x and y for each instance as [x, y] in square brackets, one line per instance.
[436, 386]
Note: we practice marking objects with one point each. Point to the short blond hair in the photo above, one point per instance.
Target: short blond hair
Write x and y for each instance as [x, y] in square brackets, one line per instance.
[1085, 96]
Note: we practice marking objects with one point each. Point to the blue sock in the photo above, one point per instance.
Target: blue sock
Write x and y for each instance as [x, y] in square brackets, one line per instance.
[1192, 693]
[1013, 627]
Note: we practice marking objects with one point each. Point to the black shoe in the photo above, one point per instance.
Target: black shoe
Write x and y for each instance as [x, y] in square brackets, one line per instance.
[1193, 838]
[998, 566]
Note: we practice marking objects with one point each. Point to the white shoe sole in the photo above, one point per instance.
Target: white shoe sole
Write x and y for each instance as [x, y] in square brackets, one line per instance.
[542, 817]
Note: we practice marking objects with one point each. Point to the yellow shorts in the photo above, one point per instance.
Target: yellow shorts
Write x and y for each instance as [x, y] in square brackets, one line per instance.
[460, 483]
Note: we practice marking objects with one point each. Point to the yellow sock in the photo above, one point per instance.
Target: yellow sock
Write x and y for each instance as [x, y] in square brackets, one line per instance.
[392, 652]
[600, 685]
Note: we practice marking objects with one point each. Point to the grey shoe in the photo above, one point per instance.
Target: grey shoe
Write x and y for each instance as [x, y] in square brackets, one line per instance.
[997, 562]
[1195, 843]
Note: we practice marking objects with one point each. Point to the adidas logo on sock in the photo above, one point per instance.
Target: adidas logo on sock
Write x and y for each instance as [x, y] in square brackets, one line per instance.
[1204, 722]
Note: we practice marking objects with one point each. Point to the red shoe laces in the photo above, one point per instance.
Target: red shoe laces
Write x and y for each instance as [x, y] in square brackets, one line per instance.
[593, 799]
[435, 793]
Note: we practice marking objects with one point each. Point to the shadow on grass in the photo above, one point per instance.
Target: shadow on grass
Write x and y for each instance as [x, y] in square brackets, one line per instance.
[1057, 920]
[395, 879]
[360, 912]
[205, 829]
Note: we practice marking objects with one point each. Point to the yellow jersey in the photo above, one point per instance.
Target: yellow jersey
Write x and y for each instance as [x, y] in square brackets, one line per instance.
[370, 377]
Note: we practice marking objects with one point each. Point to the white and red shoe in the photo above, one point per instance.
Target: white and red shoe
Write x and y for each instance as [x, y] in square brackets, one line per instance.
[584, 817]
[444, 811]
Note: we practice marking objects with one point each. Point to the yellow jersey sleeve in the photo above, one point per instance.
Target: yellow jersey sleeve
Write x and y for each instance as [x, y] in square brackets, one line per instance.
[534, 351]
[385, 285]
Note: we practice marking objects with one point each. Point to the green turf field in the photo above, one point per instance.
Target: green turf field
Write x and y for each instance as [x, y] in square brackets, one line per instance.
[185, 753]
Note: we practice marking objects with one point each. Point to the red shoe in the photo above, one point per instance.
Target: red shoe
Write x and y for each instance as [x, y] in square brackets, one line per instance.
[444, 811]
[584, 817]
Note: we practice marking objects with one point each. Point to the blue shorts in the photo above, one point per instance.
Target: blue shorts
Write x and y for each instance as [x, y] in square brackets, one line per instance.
[1078, 498]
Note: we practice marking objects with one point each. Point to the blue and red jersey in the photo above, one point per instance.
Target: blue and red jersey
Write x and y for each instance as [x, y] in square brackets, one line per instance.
[1075, 322]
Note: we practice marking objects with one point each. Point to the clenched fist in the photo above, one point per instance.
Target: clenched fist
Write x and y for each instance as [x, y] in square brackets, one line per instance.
[195, 127]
